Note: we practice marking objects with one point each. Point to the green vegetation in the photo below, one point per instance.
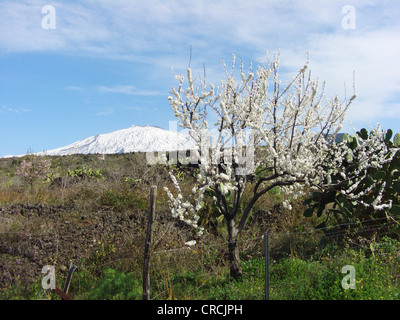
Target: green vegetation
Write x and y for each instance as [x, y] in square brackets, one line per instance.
[85, 173]
[93, 212]
[377, 278]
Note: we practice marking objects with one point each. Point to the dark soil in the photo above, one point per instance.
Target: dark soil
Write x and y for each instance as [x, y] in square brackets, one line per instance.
[32, 236]
[38, 235]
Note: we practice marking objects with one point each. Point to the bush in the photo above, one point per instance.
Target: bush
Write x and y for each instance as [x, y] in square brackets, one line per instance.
[33, 167]
[116, 285]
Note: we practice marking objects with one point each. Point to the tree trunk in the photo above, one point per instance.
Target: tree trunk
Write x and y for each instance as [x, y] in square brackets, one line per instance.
[234, 260]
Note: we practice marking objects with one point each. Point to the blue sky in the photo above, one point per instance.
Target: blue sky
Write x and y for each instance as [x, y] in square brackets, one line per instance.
[107, 64]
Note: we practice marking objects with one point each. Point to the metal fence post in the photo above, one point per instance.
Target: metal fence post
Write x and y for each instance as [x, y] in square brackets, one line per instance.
[266, 246]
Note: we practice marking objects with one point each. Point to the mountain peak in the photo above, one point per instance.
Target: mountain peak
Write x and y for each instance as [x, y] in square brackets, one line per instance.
[133, 139]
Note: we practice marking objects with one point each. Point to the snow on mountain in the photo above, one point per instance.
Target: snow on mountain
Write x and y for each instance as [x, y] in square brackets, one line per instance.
[133, 139]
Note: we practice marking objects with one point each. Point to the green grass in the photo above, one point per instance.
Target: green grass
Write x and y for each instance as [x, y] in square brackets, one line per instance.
[121, 201]
[377, 278]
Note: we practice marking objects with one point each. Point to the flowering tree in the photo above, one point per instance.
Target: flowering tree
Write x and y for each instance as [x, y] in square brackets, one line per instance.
[283, 130]
[33, 167]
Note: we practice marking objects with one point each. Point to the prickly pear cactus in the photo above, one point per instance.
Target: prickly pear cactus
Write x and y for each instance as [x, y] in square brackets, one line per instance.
[360, 190]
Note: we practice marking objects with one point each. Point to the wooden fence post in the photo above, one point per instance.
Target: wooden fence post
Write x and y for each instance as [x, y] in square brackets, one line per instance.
[147, 245]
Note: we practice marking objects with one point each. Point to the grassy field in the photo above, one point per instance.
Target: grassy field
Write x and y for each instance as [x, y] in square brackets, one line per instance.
[92, 212]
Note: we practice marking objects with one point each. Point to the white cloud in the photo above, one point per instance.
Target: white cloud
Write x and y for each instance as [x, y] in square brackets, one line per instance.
[127, 89]
[373, 56]
[105, 112]
[123, 28]
[5, 109]
[74, 88]
[159, 33]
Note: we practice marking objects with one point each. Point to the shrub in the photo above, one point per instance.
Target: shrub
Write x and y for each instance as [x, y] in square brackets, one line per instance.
[116, 285]
[33, 167]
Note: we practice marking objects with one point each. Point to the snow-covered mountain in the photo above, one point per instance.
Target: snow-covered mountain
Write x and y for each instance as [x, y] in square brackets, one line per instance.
[133, 139]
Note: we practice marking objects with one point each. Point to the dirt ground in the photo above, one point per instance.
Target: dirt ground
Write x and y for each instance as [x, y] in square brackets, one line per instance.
[32, 236]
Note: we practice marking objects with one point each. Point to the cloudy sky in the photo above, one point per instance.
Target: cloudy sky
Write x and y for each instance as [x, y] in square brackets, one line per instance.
[73, 69]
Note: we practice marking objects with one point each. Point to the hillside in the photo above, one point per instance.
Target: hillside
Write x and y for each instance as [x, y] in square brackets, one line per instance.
[92, 211]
